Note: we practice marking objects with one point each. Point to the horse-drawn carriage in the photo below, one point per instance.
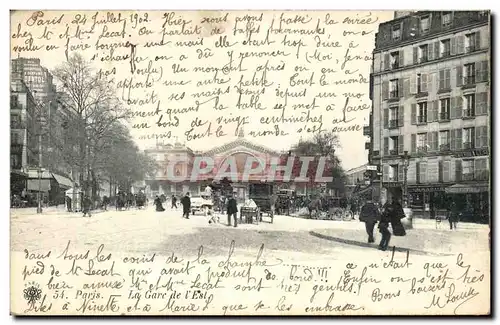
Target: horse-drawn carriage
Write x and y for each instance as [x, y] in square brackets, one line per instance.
[265, 200]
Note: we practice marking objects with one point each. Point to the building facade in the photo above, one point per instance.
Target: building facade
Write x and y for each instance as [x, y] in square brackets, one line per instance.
[430, 91]
[36, 132]
[239, 150]
[24, 142]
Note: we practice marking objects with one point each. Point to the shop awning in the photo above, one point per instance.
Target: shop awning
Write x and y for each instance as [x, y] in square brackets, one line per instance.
[33, 174]
[467, 188]
[38, 185]
[63, 181]
[362, 191]
[18, 173]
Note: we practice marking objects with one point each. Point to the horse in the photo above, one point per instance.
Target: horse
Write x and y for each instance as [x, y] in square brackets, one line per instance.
[314, 205]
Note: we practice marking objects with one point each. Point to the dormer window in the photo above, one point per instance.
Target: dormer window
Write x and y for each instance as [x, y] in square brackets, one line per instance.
[396, 32]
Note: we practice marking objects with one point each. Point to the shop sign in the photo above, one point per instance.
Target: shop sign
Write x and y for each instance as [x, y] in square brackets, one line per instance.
[426, 189]
[392, 184]
[472, 153]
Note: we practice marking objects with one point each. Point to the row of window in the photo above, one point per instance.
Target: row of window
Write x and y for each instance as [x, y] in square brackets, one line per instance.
[467, 75]
[439, 141]
[435, 50]
[439, 110]
[465, 170]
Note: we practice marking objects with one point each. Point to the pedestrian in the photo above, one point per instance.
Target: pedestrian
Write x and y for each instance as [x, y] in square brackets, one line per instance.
[68, 203]
[186, 205]
[370, 215]
[105, 202]
[232, 210]
[453, 215]
[159, 204]
[174, 201]
[393, 213]
[86, 206]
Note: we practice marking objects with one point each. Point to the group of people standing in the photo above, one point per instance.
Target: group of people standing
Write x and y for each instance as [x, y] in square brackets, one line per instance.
[231, 207]
[185, 202]
[391, 213]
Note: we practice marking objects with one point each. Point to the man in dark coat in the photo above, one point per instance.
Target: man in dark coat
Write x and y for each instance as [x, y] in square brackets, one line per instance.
[86, 206]
[186, 205]
[370, 216]
[393, 213]
[453, 215]
[232, 210]
[159, 205]
[174, 201]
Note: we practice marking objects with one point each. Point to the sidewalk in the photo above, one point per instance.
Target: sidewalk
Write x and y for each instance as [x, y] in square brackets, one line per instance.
[52, 210]
[421, 240]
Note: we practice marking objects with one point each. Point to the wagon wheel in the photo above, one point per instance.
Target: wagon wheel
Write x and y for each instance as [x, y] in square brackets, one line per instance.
[337, 214]
[348, 215]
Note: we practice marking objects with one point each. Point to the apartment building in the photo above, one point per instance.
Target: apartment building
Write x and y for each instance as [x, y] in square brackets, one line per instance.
[430, 94]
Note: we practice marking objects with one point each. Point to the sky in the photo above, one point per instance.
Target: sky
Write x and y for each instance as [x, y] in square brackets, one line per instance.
[313, 54]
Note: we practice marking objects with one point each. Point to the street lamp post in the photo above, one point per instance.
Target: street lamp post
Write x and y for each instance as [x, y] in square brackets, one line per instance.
[39, 193]
[406, 162]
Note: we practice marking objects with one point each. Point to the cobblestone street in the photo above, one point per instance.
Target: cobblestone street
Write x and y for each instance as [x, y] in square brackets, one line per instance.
[144, 231]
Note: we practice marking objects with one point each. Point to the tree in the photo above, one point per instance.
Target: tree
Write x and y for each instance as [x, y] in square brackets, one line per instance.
[322, 145]
[93, 108]
[120, 159]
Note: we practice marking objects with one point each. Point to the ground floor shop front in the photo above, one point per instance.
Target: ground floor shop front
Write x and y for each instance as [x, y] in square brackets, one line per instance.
[195, 189]
[431, 200]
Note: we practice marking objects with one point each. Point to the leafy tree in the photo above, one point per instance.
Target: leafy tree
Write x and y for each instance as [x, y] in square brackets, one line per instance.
[321, 145]
[93, 108]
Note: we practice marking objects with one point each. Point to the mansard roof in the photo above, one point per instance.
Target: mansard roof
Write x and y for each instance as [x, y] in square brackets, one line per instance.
[241, 142]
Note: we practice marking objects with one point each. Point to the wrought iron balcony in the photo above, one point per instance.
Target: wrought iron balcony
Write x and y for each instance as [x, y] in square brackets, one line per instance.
[422, 149]
[444, 147]
[393, 124]
[394, 94]
[469, 80]
[422, 119]
[467, 145]
[444, 116]
[470, 49]
[468, 112]
[482, 175]
[468, 177]
[393, 152]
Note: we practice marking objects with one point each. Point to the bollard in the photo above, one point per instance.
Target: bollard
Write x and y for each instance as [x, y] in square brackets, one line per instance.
[407, 221]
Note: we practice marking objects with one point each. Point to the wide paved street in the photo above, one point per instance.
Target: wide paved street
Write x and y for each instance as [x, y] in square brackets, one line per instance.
[144, 231]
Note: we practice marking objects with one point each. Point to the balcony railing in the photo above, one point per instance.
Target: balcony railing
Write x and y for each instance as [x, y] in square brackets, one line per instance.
[482, 175]
[393, 124]
[444, 116]
[467, 145]
[17, 125]
[366, 130]
[392, 179]
[445, 53]
[470, 49]
[444, 147]
[423, 59]
[422, 119]
[469, 80]
[422, 149]
[394, 94]
[393, 152]
[468, 112]
[468, 177]
[395, 65]
[16, 148]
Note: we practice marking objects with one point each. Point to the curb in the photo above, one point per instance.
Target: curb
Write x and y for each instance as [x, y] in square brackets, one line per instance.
[362, 244]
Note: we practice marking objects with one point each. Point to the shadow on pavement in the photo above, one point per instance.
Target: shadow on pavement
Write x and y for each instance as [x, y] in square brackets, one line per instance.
[361, 244]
